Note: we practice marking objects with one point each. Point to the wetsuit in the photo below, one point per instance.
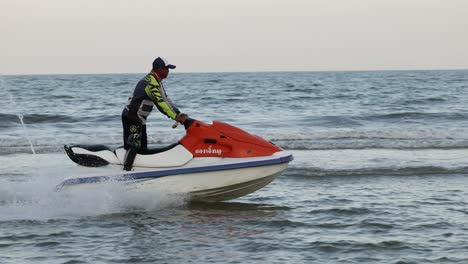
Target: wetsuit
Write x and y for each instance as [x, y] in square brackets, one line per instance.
[148, 93]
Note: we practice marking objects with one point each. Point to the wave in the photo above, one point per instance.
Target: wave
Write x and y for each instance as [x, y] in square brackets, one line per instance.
[293, 89]
[357, 143]
[36, 118]
[404, 117]
[386, 138]
[43, 118]
[429, 100]
[352, 245]
[8, 118]
[376, 119]
[379, 171]
[416, 115]
[31, 119]
[215, 81]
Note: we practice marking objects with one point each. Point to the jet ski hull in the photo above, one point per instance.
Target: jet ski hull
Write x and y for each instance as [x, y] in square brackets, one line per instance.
[233, 191]
[217, 180]
[215, 185]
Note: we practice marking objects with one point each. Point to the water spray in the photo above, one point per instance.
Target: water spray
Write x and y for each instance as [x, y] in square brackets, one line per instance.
[18, 113]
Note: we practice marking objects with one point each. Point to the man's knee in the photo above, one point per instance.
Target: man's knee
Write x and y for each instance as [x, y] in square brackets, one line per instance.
[134, 141]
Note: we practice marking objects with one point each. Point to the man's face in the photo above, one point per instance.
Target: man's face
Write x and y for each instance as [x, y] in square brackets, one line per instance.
[163, 73]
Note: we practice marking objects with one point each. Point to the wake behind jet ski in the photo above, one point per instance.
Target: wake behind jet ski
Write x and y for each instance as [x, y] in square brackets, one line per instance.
[211, 163]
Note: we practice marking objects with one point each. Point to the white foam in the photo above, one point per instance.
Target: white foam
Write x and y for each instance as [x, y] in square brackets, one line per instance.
[27, 191]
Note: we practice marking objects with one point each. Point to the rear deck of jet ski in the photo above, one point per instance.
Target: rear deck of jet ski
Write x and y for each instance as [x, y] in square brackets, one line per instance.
[90, 160]
[86, 159]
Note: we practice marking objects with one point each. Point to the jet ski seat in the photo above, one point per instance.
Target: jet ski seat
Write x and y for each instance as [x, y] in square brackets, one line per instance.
[92, 147]
[100, 147]
[150, 151]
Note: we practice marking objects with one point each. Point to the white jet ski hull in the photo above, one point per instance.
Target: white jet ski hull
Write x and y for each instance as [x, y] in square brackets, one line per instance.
[202, 179]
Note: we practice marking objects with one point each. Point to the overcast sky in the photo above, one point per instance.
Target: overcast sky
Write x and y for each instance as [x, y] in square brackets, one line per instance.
[124, 36]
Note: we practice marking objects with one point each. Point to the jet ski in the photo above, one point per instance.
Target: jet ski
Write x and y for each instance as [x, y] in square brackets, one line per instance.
[212, 162]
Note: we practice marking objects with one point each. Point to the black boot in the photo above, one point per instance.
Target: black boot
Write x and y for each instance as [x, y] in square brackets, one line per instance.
[134, 144]
[129, 158]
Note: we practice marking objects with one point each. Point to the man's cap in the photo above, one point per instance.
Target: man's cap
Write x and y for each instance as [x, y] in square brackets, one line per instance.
[162, 63]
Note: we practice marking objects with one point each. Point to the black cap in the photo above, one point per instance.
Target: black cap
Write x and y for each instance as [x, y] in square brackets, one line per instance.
[162, 63]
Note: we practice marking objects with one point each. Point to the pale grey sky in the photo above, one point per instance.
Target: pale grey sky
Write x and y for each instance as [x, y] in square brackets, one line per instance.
[120, 36]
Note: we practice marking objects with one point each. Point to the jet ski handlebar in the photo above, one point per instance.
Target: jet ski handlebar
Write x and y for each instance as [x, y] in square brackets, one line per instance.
[188, 122]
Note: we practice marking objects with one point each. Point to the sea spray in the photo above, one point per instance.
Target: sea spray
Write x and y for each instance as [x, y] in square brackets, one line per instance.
[36, 198]
[18, 113]
[25, 131]
[28, 191]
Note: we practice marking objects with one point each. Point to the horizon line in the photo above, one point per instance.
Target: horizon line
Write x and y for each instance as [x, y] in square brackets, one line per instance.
[207, 72]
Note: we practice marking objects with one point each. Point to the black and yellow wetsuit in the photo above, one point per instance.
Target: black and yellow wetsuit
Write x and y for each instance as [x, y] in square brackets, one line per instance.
[148, 92]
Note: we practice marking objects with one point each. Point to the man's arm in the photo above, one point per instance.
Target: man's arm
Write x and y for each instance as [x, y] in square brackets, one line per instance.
[164, 105]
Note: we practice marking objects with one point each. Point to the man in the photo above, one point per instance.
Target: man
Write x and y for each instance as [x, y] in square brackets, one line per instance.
[148, 92]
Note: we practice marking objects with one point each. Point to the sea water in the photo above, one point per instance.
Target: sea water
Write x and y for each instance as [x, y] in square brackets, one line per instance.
[380, 172]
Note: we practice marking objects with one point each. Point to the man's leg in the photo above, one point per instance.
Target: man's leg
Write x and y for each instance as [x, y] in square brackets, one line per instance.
[132, 141]
[126, 131]
[144, 140]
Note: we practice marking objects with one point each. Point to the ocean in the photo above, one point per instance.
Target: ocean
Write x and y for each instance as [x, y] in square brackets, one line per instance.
[379, 175]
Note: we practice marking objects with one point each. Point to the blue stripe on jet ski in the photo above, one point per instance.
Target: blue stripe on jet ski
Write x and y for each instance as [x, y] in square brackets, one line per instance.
[159, 174]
